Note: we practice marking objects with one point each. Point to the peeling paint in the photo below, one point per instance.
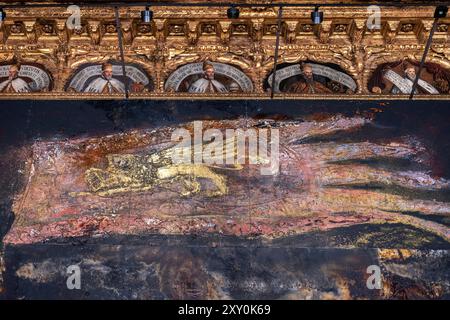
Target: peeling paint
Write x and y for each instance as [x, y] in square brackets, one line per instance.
[354, 191]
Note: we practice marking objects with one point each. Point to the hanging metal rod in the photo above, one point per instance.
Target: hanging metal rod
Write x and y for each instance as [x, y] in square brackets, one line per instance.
[122, 57]
[277, 44]
[219, 4]
[424, 56]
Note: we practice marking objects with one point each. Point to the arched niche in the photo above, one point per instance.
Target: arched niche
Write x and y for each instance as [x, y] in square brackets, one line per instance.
[91, 78]
[327, 78]
[24, 77]
[192, 78]
[397, 77]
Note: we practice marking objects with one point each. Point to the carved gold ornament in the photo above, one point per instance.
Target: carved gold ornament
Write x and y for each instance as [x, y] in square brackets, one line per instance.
[179, 36]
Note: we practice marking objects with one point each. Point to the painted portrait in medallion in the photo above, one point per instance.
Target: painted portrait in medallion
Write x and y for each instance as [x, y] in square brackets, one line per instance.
[208, 78]
[24, 78]
[310, 77]
[107, 78]
[398, 78]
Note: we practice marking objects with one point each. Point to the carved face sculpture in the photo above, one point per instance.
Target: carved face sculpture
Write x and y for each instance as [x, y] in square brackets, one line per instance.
[240, 28]
[16, 28]
[110, 28]
[144, 28]
[47, 28]
[79, 30]
[407, 27]
[209, 28]
[176, 29]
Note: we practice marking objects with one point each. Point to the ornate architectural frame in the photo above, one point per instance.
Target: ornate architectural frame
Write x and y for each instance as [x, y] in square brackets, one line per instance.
[183, 35]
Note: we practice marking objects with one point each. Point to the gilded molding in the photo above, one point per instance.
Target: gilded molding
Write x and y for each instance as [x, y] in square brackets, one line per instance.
[178, 36]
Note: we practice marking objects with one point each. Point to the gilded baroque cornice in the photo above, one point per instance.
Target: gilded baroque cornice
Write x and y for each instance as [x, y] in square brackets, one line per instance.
[178, 36]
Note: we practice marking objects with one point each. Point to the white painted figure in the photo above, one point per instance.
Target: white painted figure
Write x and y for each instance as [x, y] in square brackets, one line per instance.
[207, 84]
[106, 83]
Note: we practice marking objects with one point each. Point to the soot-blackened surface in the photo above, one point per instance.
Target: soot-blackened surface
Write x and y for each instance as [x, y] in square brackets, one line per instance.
[316, 265]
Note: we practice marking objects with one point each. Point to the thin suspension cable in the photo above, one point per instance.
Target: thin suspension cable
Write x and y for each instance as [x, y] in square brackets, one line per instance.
[424, 56]
[122, 56]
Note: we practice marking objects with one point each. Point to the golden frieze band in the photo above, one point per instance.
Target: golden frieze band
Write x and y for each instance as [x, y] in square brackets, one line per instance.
[341, 56]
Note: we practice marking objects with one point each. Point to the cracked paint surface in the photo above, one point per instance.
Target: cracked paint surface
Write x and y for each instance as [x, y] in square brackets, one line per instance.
[354, 190]
[320, 186]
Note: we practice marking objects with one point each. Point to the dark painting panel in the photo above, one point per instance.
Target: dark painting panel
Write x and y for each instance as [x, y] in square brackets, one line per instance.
[367, 177]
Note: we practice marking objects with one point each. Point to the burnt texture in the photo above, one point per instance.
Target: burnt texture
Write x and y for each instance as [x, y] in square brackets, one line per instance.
[360, 184]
